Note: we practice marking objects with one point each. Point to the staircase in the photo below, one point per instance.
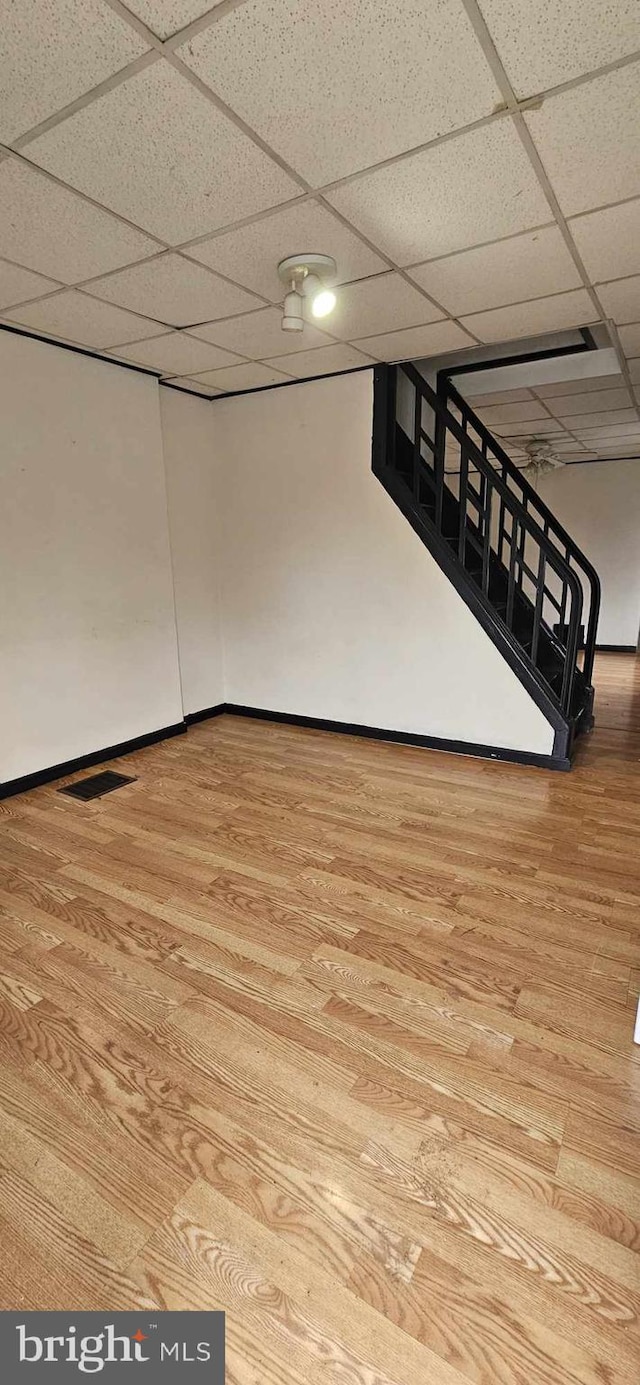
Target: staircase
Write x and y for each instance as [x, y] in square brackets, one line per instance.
[516, 567]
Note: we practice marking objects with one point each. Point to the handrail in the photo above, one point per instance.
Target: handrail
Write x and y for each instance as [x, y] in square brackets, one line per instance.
[523, 524]
[484, 466]
[515, 506]
[552, 523]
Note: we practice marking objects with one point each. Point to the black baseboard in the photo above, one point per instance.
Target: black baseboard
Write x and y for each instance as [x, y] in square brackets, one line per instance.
[111, 752]
[616, 649]
[342, 728]
[377, 733]
[192, 718]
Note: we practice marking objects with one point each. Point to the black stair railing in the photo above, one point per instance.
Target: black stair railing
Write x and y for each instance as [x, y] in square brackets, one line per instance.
[572, 554]
[510, 544]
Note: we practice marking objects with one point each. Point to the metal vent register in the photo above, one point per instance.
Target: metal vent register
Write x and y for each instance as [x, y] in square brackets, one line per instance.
[97, 785]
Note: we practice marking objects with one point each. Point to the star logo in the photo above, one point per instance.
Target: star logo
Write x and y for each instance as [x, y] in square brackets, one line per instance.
[138, 1336]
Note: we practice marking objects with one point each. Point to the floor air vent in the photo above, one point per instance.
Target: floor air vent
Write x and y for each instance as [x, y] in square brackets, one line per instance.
[97, 785]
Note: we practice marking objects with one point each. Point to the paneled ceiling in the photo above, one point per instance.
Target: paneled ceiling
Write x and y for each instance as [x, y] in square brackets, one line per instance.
[472, 165]
[583, 420]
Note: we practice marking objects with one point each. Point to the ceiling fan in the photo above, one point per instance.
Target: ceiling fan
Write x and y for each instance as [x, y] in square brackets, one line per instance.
[542, 459]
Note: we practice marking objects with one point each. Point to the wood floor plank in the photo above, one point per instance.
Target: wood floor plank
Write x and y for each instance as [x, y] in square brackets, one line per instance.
[52, 1108]
[241, 1266]
[335, 1035]
[117, 1235]
[522, 1269]
[554, 1007]
[603, 1204]
[54, 1239]
[467, 1323]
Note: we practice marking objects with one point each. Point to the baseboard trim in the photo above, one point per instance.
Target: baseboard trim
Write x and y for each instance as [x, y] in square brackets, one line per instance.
[111, 752]
[342, 728]
[377, 733]
[192, 718]
[616, 649]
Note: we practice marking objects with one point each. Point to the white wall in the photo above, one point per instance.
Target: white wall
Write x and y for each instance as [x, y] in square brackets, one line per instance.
[194, 504]
[299, 586]
[87, 630]
[332, 606]
[599, 504]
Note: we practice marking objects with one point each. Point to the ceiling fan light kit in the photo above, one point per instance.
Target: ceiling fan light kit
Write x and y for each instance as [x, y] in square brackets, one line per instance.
[542, 459]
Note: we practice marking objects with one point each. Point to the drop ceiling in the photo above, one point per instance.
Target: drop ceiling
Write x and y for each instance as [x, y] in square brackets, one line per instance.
[583, 419]
[472, 165]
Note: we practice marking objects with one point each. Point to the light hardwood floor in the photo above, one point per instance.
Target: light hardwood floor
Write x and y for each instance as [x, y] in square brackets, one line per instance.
[337, 1036]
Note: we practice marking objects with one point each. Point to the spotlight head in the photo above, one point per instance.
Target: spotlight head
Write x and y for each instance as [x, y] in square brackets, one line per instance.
[323, 303]
[321, 299]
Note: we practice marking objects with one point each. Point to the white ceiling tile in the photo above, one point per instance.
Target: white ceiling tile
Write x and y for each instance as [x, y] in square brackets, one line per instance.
[630, 339]
[177, 354]
[510, 413]
[568, 444]
[158, 152]
[566, 405]
[576, 422]
[493, 275]
[184, 382]
[379, 305]
[339, 85]
[174, 290]
[615, 446]
[530, 428]
[609, 240]
[499, 397]
[584, 386]
[17, 285]
[587, 138]
[252, 253]
[260, 334]
[52, 52]
[413, 342]
[473, 188]
[542, 44]
[528, 319]
[327, 361]
[621, 300]
[167, 17]
[49, 229]
[78, 318]
[627, 451]
[612, 430]
[251, 376]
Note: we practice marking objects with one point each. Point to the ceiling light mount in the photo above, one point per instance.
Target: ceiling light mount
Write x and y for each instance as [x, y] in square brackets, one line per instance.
[308, 277]
[293, 312]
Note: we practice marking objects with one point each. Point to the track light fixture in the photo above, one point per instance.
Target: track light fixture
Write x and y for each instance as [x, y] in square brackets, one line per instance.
[308, 279]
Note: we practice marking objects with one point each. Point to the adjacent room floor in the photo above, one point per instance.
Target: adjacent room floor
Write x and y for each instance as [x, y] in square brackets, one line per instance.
[335, 1035]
